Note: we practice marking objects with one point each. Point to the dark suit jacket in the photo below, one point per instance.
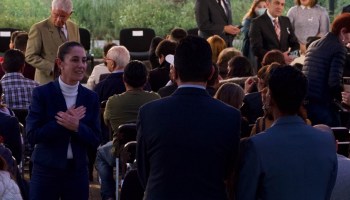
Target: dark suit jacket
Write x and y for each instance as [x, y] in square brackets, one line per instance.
[191, 149]
[263, 37]
[290, 160]
[51, 139]
[9, 130]
[112, 84]
[211, 19]
[159, 77]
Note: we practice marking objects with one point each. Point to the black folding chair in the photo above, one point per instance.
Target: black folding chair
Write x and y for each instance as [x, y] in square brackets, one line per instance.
[137, 41]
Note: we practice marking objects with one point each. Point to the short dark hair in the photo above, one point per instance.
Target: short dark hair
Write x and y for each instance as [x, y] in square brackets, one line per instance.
[14, 35]
[288, 87]
[273, 56]
[13, 60]
[239, 67]
[178, 34]
[21, 41]
[166, 47]
[65, 48]
[192, 60]
[135, 74]
[107, 47]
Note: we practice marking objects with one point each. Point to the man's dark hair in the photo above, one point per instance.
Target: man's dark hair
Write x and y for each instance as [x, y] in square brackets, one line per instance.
[13, 61]
[287, 88]
[193, 59]
[166, 47]
[135, 74]
[178, 34]
[107, 47]
[21, 41]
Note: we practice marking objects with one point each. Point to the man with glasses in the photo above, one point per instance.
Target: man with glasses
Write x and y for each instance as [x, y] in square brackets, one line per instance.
[46, 36]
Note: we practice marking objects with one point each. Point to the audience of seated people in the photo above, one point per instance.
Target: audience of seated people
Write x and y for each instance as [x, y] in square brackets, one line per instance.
[121, 108]
[99, 69]
[227, 63]
[16, 88]
[159, 77]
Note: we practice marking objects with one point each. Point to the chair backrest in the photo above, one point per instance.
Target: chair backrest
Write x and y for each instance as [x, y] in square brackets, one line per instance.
[137, 41]
[85, 38]
[125, 133]
[21, 115]
[342, 135]
[5, 36]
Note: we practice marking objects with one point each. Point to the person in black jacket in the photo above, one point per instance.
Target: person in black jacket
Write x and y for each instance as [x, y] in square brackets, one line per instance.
[323, 67]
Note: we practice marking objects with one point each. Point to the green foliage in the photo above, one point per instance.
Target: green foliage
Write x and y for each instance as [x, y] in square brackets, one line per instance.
[105, 18]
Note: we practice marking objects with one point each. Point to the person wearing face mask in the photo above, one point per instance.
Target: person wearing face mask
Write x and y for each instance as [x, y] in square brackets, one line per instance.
[257, 8]
[308, 20]
[46, 36]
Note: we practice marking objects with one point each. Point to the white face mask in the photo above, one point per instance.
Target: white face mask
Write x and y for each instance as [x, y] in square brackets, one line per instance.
[260, 11]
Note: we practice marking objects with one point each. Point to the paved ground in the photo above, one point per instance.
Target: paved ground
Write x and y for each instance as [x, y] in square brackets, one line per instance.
[94, 187]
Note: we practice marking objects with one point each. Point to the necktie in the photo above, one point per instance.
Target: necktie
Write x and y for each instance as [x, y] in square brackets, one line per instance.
[277, 28]
[222, 4]
[62, 35]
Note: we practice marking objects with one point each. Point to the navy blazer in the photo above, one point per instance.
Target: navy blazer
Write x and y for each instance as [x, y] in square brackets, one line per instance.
[111, 85]
[9, 130]
[190, 150]
[211, 19]
[263, 37]
[51, 139]
[290, 160]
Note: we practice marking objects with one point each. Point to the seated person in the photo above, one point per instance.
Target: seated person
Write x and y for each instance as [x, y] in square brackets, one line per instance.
[8, 187]
[122, 108]
[223, 58]
[116, 60]
[17, 89]
[10, 132]
[239, 66]
[159, 77]
[94, 77]
[20, 43]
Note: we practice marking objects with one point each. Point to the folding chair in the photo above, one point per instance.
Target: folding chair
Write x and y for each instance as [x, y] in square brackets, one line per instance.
[137, 41]
[342, 135]
[85, 38]
[5, 36]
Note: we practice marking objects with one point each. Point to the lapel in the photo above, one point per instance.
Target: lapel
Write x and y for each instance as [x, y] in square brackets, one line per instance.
[220, 9]
[271, 27]
[52, 29]
[60, 101]
[81, 96]
[191, 91]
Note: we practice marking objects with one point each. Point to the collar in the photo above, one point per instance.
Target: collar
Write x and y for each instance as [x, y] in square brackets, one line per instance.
[12, 74]
[118, 71]
[191, 86]
[270, 16]
[305, 7]
[291, 119]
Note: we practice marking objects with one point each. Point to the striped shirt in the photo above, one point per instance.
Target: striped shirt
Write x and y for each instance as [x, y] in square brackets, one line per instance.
[17, 90]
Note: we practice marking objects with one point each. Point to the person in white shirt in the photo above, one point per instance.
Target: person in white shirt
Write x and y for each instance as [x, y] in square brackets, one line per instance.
[94, 78]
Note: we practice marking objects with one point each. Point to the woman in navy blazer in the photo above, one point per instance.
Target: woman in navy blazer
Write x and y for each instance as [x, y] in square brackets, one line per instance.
[63, 121]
